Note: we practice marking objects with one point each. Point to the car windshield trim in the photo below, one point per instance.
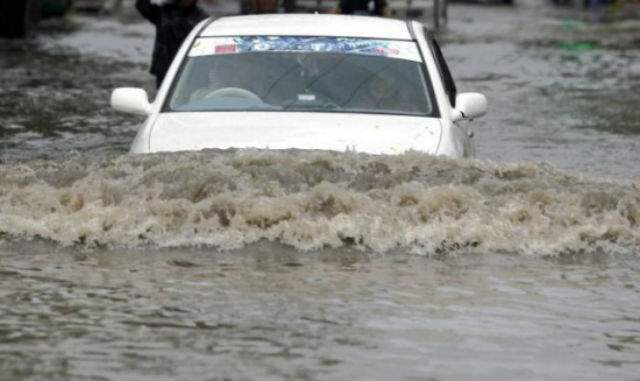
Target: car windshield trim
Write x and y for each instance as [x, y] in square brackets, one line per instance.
[308, 111]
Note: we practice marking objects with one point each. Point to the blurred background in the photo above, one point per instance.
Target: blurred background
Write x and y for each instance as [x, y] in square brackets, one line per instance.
[562, 76]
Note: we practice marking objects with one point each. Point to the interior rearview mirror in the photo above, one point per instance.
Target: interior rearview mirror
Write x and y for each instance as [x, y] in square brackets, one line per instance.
[469, 106]
[131, 100]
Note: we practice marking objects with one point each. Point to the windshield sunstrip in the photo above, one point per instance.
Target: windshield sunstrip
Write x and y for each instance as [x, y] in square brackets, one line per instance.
[406, 50]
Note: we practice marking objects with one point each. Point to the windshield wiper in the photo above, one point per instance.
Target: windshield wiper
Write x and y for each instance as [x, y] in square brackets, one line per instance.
[263, 107]
[313, 106]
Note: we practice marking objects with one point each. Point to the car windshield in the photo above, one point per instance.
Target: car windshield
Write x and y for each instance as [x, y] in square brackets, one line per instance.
[329, 74]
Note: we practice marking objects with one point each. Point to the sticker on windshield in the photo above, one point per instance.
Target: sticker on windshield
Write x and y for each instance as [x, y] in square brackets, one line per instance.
[207, 46]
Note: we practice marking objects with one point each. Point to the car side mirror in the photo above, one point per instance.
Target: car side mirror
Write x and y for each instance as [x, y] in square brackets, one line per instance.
[131, 100]
[469, 106]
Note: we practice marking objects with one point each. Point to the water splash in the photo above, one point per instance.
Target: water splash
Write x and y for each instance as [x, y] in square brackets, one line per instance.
[310, 200]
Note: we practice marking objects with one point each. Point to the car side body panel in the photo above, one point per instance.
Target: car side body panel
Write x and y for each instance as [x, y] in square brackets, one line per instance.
[455, 142]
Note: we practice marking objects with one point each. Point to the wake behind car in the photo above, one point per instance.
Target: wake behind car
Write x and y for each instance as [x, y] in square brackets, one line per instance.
[328, 82]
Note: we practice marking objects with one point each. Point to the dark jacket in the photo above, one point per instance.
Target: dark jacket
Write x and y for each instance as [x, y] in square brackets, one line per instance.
[173, 24]
[348, 7]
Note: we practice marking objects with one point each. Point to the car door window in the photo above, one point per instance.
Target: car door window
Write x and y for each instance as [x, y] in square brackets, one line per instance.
[445, 73]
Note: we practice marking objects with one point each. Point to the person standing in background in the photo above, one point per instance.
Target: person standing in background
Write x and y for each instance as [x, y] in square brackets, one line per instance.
[173, 20]
[361, 7]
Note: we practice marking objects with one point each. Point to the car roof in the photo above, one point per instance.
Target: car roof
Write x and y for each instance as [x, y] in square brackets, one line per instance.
[308, 25]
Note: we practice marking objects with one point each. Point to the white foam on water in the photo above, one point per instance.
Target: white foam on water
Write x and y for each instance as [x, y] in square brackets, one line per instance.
[310, 200]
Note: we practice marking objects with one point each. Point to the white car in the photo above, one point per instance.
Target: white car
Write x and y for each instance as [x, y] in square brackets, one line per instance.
[327, 82]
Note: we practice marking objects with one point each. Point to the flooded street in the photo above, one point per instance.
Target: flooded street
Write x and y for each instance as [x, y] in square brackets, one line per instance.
[292, 265]
[561, 90]
[268, 312]
[55, 89]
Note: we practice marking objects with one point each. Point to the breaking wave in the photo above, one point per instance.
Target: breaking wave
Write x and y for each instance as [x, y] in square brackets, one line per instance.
[311, 200]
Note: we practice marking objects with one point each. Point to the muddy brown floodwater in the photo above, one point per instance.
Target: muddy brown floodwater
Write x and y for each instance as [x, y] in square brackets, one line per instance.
[270, 312]
[303, 265]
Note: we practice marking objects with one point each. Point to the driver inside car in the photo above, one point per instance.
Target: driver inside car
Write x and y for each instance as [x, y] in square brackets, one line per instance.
[223, 74]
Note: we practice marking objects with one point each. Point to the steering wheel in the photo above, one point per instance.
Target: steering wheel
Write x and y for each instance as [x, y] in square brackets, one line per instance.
[233, 92]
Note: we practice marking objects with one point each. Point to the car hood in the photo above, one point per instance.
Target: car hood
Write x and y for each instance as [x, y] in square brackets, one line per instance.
[370, 133]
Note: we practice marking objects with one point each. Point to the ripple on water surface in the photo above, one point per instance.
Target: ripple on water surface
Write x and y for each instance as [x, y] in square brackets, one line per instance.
[267, 311]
